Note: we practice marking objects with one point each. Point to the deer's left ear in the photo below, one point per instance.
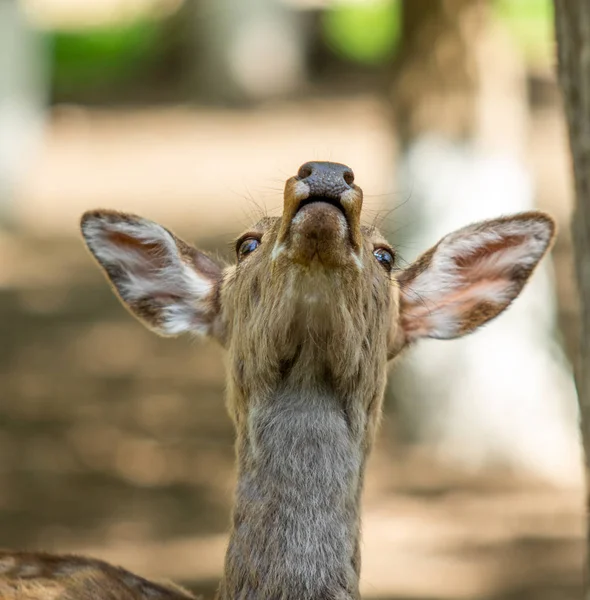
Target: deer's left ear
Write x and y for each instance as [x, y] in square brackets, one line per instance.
[470, 276]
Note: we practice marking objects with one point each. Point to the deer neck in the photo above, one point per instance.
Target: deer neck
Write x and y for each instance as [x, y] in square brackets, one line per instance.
[295, 529]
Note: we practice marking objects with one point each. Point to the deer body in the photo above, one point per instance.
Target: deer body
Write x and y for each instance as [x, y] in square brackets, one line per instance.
[310, 315]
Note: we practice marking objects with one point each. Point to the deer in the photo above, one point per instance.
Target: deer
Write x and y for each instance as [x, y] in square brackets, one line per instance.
[311, 313]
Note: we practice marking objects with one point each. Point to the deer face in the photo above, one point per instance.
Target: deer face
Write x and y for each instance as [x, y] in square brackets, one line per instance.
[313, 294]
[314, 297]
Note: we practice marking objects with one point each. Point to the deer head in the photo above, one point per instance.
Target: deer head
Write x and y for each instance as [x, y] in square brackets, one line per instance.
[314, 294]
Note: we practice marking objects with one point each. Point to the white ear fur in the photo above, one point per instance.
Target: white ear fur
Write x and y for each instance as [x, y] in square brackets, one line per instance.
[471, 275]
[166, 283]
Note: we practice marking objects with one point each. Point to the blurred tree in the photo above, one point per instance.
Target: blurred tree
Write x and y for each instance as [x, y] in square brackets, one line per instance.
[24, 89]
[506, 397]
[572, 25]
[242, 51]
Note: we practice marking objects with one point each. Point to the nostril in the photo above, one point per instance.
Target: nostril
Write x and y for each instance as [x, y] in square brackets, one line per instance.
[305, 171]
[348, 176]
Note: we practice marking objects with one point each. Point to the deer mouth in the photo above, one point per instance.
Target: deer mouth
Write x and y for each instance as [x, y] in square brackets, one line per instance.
[323, 200]
[319, 232]
[324, 212]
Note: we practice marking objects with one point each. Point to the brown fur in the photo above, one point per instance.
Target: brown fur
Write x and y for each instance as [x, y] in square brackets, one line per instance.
[309, 320]
[41, 576]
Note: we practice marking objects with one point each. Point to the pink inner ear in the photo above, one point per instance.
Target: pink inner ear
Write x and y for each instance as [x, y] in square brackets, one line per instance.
[143, 258]
[453, 312]
[470, 259]
[475, 282]
[149, 251]
[167, 284]
[471, 275]
[501, 261]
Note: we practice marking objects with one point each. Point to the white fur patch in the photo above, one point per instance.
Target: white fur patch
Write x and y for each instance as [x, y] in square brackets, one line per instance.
[349, 196]
[29, 570]
[301, 190]
[357, 261]
[277, 251]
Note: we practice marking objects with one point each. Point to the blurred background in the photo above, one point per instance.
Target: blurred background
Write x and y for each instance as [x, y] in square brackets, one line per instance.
[193, 113]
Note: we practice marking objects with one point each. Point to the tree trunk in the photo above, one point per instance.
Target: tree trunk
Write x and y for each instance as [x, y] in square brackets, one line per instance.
[436, 83]
[24, 87]
[504, 397]
[243, 51]
[572, 25]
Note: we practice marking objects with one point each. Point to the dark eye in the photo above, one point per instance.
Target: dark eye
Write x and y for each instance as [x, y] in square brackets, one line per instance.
[247, 246]
[385, 257]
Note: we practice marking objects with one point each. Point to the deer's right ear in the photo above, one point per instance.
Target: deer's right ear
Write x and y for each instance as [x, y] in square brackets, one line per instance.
[167, 284]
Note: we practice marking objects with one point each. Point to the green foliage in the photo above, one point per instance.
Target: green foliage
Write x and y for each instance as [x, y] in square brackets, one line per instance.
[369, 32]
[96, 57]
[364, 32]
[531, 22]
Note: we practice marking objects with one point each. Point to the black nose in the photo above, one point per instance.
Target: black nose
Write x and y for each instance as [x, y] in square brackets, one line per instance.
[326, 179]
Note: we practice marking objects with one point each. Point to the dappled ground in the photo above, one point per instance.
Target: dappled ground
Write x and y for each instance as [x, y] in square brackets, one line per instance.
[116, 443]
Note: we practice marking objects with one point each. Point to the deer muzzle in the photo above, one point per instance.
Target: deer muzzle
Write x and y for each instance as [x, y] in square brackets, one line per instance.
[321, 215]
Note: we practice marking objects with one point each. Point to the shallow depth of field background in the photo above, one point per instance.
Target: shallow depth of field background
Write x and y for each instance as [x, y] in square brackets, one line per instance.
[116, 443]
